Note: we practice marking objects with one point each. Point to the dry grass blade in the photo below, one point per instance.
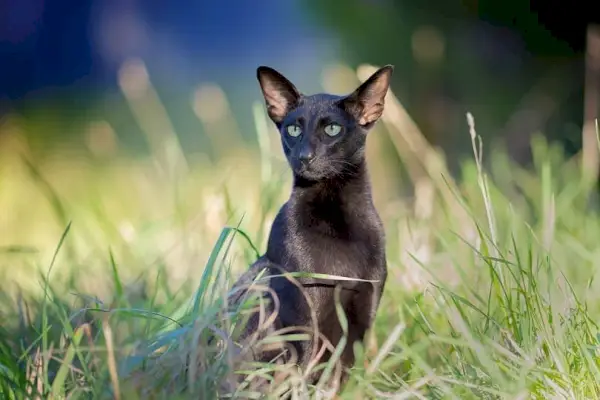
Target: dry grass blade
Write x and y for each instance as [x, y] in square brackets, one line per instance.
[153, 118]
[590, 153]
[386, 347]
[112, 362]
[35, 373]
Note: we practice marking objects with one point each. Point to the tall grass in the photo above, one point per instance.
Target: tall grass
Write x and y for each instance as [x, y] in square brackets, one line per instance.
[116, 277]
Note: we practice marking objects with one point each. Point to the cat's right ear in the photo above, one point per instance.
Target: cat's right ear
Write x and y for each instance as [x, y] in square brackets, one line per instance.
[366, 103]
[281, 96]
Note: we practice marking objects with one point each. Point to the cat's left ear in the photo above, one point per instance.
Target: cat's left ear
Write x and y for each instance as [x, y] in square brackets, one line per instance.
[280, 94]
[367, 101]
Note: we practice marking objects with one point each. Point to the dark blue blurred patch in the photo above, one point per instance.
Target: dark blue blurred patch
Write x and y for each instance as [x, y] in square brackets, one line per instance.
[79, 43]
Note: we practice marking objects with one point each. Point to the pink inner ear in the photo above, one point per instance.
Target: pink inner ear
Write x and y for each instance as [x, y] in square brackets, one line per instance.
[372, 97]
[277, 104]
[276, 112]
[371, 113]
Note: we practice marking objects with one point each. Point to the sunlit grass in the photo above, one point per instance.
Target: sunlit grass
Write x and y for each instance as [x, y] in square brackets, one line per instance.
[117, 274]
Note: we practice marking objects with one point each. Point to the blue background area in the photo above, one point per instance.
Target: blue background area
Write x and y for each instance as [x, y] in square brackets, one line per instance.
[80, 43]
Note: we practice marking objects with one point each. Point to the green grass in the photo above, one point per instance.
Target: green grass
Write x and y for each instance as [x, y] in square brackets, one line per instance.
[115, 276]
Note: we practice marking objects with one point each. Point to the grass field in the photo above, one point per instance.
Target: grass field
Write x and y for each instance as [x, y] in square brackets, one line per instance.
[115, 270]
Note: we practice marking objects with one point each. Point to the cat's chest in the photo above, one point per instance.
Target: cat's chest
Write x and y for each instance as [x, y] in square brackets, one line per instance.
[353, 255]
[334, 243]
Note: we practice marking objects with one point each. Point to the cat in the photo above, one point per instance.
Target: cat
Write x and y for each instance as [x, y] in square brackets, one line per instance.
[329, 225]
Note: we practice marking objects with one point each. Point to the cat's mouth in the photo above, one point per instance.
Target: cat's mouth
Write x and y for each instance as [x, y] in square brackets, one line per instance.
[311, 172]
[303, 169]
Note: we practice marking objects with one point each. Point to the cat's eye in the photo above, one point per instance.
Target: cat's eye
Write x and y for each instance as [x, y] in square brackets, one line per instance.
[333, 129]
[293, 130]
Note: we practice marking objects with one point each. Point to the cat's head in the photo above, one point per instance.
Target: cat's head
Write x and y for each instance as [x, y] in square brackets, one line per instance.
[323, 135]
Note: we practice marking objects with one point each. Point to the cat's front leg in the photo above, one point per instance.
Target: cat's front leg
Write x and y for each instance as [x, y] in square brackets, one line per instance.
[365, 304]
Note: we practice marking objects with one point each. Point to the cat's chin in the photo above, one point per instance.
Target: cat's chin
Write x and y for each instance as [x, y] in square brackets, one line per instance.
[309, 176]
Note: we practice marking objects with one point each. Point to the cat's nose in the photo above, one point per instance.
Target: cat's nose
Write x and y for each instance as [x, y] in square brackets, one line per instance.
[306, 155]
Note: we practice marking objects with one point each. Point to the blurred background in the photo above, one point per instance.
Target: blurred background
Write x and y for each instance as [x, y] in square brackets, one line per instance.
[105, 105]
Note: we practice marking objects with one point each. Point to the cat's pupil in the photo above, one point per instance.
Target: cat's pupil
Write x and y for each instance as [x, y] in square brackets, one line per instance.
[333, 129]
[293, 130]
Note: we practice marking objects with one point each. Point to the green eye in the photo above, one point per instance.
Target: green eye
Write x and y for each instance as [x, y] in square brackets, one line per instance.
[293, 130]
[333, 129]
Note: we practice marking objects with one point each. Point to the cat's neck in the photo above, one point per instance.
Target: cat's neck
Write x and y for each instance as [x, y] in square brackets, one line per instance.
[354, 187]
[340, 207]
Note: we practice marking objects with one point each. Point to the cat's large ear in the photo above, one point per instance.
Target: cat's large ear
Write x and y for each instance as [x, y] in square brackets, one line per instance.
[367, 101]
[280, 94]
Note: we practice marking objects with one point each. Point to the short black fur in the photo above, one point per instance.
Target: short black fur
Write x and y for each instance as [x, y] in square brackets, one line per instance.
[329, 225]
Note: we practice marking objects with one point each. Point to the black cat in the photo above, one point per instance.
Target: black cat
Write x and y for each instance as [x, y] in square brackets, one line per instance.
[329, 225]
